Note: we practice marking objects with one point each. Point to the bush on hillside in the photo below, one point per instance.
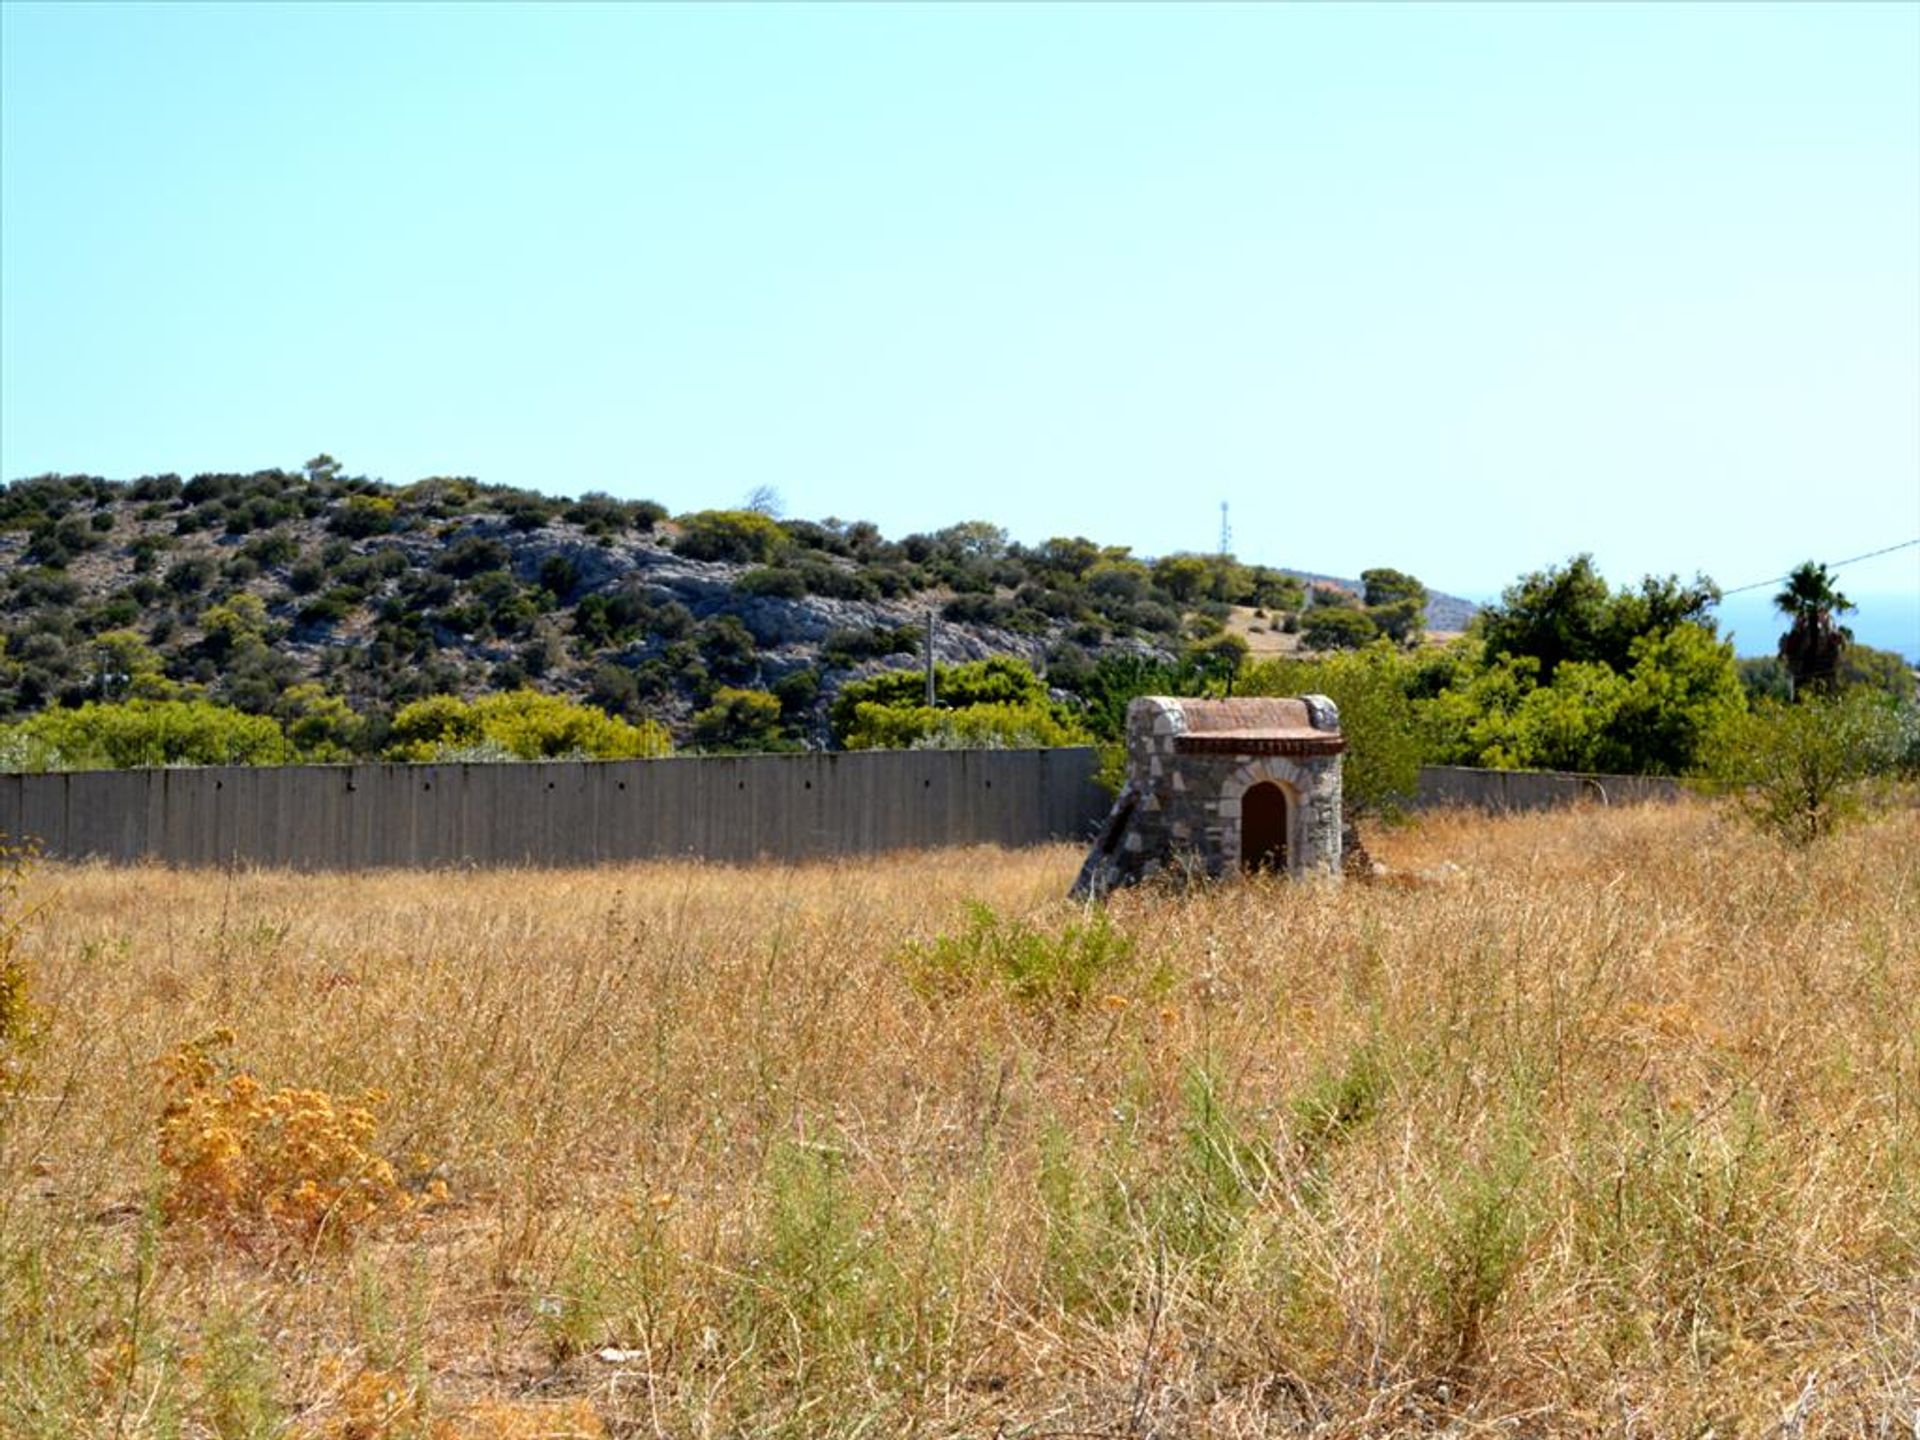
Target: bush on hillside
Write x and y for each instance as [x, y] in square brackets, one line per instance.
[743, 537]
[361, 516]
[1327, 627]
[739, 720]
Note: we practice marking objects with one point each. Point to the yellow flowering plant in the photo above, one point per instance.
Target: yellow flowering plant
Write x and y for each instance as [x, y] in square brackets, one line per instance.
[297, 1163]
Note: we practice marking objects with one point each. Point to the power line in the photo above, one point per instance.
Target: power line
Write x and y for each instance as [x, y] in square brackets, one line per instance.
[1837, 565]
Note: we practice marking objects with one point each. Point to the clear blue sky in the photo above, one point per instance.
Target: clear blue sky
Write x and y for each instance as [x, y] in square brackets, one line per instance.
[1462, 289]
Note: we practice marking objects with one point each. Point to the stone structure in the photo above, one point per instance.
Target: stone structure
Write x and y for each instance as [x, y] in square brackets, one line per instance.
[1220, 786]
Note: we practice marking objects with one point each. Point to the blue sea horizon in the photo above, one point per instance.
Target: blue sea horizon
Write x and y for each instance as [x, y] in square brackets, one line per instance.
[1885, 620]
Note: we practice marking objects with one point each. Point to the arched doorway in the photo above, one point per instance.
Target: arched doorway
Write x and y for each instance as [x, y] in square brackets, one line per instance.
[1263, 829]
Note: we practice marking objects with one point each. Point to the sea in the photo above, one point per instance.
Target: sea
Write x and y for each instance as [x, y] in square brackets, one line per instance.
[1884, 620]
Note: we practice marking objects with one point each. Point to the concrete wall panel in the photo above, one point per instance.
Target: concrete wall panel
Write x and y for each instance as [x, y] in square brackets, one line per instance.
[1514, 790]
[11, 787]
[43, 812]
[107, 814]
[728, 808]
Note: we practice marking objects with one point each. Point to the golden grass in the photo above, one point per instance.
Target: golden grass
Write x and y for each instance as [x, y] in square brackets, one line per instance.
[1600, 1122]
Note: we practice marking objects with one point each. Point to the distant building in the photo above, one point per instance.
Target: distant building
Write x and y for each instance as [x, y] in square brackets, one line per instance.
[1217, 787]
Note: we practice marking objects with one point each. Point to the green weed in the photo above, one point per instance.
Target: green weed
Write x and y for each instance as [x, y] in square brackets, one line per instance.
[1038, 968]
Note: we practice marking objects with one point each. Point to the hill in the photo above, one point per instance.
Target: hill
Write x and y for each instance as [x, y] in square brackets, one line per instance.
[245, 585]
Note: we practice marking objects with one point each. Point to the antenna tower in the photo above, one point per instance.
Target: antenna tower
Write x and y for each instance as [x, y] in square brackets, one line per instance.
[1226, 532]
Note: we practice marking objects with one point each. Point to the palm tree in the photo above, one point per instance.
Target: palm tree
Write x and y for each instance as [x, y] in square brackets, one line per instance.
[1812, 645]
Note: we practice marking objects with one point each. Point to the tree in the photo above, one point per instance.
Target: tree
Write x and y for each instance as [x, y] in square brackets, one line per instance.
[1568, 613]
[974, 539]
[123, 664]
[739, 720]
[1404, 621]
[1765, 678]
[1397, 604]
[1385, 586]
[322, 469]
[1328, 627]
[1813, 644]
[764, 500]
[1800, 771]
[236, 624]
[1116, 680]
[1371, 688]
[1654, 717]
[1550, 616]
[1885, 670]
[140, 733]
[321, 725]
[1216, 659]
[1683, 687]
[1181, 576]
[518, 725]
[996, 703]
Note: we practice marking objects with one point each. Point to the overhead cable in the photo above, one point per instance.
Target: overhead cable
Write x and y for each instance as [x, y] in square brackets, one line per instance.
[1837, 565]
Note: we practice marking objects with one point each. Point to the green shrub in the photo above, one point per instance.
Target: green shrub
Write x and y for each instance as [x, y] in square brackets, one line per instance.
[472, 555]
[521, 725]
[130, 733]
[190, 576]
[1463, 1246]
[846, 647]
[360, 516]
[1061, 968]
[777, 582]
[1655, 717]
[739, 720]
[1331, 628]
[976, 727]
[741, 536]
[727, 647]
[984, 704]
[1385, 746]
[1800, 771]
[320, 726]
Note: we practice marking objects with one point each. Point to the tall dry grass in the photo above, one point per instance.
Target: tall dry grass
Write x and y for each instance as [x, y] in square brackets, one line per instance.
[1604, 1122]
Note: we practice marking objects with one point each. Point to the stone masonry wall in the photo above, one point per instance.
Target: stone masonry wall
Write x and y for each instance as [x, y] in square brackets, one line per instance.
[1183, 809]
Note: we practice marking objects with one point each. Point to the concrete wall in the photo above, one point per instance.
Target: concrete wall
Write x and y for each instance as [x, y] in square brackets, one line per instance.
[789, 807]
[1535, 789]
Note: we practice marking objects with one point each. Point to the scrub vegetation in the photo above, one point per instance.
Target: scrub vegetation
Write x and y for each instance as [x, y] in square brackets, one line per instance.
[313, 616]
[1594, 1122]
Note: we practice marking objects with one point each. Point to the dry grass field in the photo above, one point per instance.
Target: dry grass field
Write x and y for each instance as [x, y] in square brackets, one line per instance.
[1603, 1122]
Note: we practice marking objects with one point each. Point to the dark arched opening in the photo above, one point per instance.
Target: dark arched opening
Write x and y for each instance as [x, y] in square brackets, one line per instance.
[1263, 829]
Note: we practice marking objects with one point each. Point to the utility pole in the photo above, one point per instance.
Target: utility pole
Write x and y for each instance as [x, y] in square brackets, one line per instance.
[929, 657]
